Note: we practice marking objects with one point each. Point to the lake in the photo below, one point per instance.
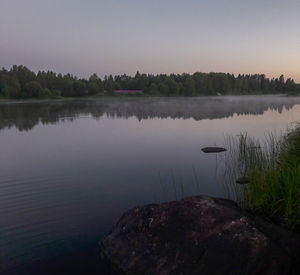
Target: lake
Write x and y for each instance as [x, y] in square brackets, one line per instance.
[70, 168]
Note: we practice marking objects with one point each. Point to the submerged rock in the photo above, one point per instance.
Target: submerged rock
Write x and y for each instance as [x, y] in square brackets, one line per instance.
[213, 149]
[243, 180]
[197, 235]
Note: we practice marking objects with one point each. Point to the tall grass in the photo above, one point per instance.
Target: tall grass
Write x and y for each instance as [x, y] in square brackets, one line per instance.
[272, 173]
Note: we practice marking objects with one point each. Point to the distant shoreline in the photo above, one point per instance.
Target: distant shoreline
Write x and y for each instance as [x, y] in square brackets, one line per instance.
[21, 83]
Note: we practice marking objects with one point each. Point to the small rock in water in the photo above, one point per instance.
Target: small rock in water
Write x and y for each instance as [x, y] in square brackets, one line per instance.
[242, 180]
[213, 149]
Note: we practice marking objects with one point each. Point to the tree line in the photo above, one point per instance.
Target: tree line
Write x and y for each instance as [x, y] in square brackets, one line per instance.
[19, 82]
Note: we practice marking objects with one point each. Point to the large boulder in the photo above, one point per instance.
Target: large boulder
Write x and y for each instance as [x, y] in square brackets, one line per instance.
[197, 235]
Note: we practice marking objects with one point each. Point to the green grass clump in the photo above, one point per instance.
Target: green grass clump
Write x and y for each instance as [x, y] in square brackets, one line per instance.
[273, 175]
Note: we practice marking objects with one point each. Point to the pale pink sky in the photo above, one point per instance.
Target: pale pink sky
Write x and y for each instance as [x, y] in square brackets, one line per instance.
[152, 36]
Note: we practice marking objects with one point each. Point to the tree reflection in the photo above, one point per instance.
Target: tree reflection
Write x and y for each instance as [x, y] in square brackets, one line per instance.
[24, 116]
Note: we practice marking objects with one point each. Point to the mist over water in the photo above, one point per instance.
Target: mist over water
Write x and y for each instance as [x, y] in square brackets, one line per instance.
[25, 115]
[69, 169]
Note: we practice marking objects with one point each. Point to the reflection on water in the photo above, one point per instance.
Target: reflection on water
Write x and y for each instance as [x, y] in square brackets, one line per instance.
[25, 116]
[68, 169]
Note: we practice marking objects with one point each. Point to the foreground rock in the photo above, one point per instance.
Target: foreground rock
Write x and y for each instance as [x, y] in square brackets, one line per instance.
[198, 235]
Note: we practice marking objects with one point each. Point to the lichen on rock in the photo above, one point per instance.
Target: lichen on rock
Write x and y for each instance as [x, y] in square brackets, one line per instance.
[197, 235]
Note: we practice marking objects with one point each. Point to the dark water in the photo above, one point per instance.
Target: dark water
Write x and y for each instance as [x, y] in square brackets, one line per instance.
[69, 169]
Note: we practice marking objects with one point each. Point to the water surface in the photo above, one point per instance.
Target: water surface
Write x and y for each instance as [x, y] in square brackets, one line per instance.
[69, 169]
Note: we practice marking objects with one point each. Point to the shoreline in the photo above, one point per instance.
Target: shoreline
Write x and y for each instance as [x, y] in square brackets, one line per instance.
[25, 100]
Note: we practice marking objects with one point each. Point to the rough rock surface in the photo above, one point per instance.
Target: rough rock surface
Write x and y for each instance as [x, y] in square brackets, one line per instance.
[197, 235]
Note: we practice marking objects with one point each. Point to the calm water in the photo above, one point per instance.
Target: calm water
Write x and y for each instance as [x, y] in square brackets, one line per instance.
[69, 169]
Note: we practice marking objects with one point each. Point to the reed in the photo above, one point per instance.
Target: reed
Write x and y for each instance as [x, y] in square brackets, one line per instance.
[272, 171]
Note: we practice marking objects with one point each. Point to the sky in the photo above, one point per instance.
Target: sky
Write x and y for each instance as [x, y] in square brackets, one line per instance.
[82, 37]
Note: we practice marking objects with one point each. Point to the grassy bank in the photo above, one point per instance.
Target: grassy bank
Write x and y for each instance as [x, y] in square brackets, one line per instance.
[270, 174]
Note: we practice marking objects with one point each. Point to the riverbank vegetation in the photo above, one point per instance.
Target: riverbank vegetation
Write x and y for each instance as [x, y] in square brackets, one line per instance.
[20, 83]
[270, 175]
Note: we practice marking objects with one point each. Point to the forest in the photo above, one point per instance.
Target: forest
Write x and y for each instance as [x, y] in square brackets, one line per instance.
[19, 82]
